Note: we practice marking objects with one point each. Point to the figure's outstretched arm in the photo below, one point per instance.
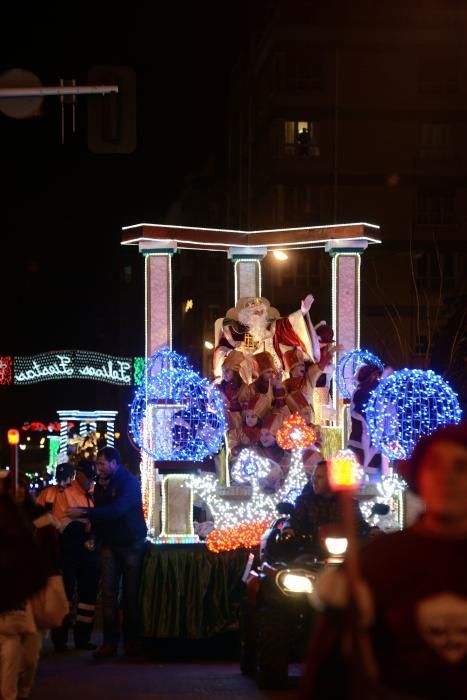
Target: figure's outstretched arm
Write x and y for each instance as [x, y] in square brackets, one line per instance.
[305, 309]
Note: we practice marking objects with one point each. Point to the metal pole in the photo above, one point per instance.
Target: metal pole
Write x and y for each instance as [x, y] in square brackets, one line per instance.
[62, 90]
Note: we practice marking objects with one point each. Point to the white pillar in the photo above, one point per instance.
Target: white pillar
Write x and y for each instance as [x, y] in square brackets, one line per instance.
[247, 271]
[346, 260]
[158, 294]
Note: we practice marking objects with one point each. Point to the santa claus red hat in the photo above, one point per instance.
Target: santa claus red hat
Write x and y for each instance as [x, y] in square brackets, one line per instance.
[292, 358]
[272, 422]
[263, 362]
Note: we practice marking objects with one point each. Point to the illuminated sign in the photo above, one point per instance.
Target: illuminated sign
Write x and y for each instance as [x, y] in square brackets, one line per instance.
[5, 369]
[73, 364]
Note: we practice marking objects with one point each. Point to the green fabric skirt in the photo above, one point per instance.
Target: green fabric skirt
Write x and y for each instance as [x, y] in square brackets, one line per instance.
[189, 592]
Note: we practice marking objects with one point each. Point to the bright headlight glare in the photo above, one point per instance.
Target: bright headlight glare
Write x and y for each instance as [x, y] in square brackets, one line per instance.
[336, 545]
[294, 583]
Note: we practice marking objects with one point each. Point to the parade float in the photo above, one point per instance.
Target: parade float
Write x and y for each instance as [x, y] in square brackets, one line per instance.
[165, 421]
[181, 423]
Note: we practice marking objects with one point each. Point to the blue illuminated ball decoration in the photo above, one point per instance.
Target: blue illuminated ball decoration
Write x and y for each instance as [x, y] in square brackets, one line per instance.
[176, 414]
[347, 367]
[405, 406]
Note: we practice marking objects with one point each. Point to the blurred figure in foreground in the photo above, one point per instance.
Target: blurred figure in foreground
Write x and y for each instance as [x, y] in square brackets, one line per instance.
[28, 556]
[403, 634]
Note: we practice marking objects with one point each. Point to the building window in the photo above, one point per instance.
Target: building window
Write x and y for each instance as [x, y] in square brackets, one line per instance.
[433, 271]
[435, 208]
[300, 138]
[435, 140]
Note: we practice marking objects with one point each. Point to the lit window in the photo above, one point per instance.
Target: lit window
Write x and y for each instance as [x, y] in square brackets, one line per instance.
[300, 138]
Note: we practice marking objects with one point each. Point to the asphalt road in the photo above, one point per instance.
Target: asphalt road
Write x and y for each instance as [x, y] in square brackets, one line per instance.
[171, 671]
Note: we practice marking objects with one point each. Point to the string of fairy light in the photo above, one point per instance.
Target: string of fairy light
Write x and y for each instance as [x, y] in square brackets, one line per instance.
[405, 406]
[176, 415]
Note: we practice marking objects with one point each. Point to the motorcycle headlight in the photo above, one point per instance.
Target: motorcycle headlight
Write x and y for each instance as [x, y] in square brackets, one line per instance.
[291, 582]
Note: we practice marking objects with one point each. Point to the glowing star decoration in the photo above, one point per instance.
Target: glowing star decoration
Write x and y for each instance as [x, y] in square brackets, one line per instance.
[405, 406]
[260, 506]
[295, 433]
[344, 471]
[176, 415]
[347, 367]
[245, 535]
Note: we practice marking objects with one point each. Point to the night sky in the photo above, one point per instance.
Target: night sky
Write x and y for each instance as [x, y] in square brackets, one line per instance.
[63, 206]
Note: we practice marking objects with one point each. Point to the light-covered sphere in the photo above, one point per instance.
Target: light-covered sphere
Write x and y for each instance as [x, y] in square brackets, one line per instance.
[347, 367]
[176, 414]
[405, 406]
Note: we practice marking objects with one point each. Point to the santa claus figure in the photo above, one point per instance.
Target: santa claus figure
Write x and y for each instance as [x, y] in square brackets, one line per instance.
[254, 326]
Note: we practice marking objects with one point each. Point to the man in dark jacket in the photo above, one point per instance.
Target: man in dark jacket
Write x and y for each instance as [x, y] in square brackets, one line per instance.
[318, 505]
[118, 521]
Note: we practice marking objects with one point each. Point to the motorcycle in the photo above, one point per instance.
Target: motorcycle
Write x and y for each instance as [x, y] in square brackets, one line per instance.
[276, 615]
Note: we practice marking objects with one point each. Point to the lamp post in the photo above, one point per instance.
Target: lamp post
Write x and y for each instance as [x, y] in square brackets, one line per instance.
[13, 440]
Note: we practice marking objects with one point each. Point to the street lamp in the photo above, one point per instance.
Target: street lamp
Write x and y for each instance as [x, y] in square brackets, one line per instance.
[280, 255]
[13, 440]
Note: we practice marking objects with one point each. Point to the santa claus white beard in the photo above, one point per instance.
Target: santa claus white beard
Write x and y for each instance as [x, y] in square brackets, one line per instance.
[257, 324]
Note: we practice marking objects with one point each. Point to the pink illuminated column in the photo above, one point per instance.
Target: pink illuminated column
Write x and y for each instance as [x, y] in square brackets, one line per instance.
[158, 295]
[346, 260]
